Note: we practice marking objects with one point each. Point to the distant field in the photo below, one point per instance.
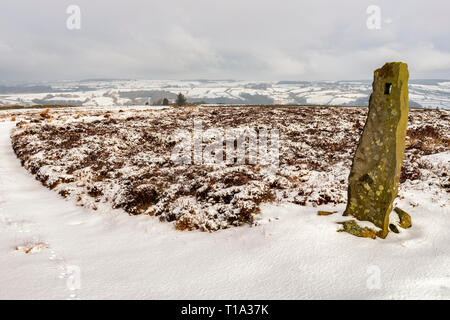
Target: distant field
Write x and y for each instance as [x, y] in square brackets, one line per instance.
[33, 107]
[96, 93]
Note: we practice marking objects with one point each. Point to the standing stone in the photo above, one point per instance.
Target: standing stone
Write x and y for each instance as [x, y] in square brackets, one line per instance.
[375, 172]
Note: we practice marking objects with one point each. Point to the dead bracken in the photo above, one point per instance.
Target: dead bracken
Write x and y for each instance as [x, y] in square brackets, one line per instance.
[122, 159]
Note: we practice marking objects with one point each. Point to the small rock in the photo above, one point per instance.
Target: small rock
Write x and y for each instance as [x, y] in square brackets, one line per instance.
[353, 228]
[325, 213]
[393, 228]
[405, 218]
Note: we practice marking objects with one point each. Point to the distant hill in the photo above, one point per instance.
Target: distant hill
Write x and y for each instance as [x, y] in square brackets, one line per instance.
[428, 93]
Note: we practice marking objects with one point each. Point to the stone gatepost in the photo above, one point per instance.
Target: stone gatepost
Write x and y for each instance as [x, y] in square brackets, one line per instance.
[375, 172]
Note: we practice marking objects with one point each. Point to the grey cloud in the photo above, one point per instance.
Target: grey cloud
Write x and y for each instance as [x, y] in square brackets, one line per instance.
[253, 39]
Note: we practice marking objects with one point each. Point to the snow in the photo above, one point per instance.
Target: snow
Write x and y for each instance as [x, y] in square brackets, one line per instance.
[429, 94]
[290, 254]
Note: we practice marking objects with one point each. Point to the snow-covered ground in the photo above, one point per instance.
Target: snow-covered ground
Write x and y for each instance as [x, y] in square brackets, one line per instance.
[292, 253]
[423, 93]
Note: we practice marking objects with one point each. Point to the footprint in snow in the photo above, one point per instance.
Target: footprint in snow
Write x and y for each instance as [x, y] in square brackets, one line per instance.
[75, 223]
[70, 273]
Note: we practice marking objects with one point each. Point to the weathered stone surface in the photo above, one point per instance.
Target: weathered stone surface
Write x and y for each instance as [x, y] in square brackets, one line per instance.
[353, 228]
[405, 219]
[375, 172]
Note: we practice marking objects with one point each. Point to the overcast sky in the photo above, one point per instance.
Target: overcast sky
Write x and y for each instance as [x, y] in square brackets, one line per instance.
[221, 39]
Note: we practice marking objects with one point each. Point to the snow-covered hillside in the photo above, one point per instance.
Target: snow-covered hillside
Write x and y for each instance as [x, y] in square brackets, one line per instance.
[50, 247]
[423, 93]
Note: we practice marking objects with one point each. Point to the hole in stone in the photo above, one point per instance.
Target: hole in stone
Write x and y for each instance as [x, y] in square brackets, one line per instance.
[387, 88]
